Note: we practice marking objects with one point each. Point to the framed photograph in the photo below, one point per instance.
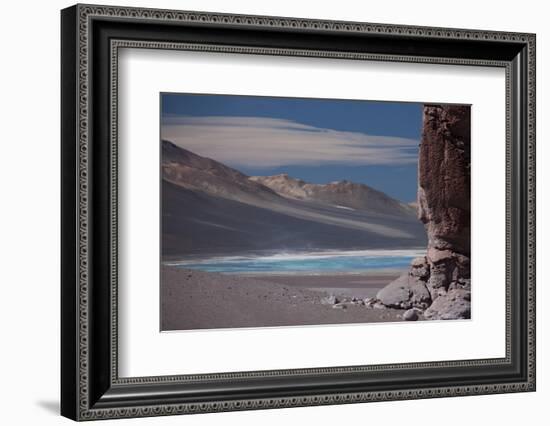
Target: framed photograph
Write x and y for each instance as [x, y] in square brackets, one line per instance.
[263, 212]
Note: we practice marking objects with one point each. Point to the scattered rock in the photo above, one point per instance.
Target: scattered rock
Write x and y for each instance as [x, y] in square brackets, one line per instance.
[378, 305]
[330, 300]
[369, 302]
[339, 306]
[410, 315]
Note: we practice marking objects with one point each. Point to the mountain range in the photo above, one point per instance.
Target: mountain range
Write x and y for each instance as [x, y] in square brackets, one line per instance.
[210, 208]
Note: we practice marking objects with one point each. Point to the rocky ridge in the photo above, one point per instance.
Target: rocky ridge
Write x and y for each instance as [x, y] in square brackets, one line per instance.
[342, 194]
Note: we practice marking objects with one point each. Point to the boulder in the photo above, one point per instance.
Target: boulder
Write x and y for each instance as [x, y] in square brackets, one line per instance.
[405, 292]
[410, 315]
[455, 304]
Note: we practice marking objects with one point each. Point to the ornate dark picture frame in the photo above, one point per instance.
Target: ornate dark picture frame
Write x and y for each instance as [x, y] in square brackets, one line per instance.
[90, 385]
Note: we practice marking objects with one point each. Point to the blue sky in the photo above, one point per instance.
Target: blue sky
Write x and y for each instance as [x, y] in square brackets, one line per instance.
[317, 140]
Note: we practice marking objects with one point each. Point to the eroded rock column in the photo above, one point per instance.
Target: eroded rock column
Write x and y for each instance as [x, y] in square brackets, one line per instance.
[444, 208]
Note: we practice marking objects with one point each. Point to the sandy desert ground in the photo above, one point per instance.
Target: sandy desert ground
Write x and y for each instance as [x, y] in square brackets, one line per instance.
[192, 299]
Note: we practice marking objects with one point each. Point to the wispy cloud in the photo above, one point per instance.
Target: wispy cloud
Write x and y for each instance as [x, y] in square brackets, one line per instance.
[270, 142]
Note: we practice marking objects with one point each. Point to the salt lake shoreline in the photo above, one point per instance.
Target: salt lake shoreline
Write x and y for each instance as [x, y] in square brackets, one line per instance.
[192, 299]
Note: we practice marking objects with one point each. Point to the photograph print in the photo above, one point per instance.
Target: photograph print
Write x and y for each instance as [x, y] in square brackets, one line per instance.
[291, 211]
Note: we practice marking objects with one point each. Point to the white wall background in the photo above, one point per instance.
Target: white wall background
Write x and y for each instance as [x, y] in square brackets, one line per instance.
[29, 213]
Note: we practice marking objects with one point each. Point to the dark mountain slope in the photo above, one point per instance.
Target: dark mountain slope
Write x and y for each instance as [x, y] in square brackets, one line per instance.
[197, 223]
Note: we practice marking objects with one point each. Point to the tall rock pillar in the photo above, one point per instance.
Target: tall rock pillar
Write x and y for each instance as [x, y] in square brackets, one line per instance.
[444, 208]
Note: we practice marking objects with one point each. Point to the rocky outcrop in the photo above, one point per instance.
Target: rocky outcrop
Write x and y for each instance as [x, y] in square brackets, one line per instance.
[444, 207]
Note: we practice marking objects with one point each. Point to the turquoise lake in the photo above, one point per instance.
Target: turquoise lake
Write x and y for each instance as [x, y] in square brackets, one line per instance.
[333, 262]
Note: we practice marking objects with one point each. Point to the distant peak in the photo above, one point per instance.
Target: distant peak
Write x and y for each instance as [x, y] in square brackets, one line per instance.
[281, 176]
[285, 176]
